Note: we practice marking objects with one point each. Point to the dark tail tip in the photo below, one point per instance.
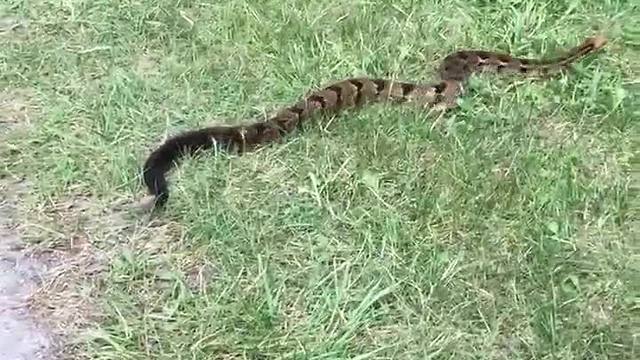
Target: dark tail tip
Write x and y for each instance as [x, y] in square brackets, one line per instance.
[154, 179]
[161, 160]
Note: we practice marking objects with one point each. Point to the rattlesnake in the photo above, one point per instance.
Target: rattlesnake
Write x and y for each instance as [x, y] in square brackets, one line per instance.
[454, 70]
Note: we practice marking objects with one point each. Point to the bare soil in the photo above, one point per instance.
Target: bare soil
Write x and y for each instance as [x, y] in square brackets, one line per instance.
[21, 335]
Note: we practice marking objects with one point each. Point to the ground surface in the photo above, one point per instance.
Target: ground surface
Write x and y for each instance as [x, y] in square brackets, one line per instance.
[21, 335]
[505, 229]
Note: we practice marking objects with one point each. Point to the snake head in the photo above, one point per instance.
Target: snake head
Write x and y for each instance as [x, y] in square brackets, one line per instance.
[596, 42]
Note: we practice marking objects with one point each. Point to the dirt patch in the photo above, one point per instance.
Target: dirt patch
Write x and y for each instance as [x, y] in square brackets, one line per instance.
[75, 238]
[147, 64]
[64, 234]
[41, 287]
[21, 336]
[22, 333]
[53, 260]
[599, 312]
[16, 107]
[13, 28]
[555, 133]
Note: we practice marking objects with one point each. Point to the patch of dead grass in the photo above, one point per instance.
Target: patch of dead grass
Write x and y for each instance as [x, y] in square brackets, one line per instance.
[555, 133]
[13, 29]
[17, 107]
[146, 64]
[77, 239]
[599, 312]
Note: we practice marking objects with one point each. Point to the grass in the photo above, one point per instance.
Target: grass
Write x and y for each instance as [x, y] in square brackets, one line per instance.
[505, 231]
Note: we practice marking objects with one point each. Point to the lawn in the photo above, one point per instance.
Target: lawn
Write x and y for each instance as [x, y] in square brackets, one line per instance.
[504, 229]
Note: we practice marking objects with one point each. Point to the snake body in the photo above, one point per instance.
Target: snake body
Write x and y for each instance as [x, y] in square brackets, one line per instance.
[454, 71]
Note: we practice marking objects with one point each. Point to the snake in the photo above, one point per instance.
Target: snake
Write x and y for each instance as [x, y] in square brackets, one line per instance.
[454, 71]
